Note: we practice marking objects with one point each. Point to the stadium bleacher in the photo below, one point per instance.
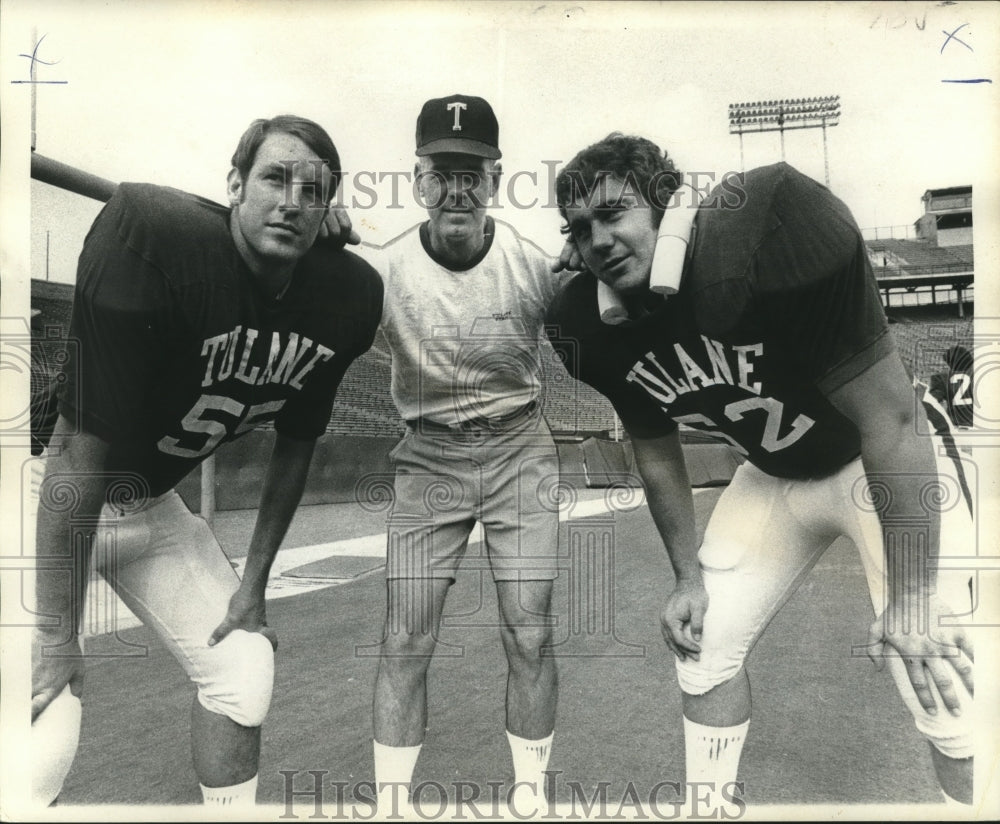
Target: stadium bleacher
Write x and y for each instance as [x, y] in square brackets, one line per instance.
[923, 334]
[903, 255]
[364, 405]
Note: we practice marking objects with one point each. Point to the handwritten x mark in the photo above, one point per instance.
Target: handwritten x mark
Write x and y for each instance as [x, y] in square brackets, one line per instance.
[950, 37]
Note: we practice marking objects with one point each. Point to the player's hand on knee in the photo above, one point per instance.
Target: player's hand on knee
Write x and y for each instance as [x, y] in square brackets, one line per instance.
[246, 612]
[932, 654]
[336, 228]
[569, 258]
[956, 657]
[51, 673]
[683, 617]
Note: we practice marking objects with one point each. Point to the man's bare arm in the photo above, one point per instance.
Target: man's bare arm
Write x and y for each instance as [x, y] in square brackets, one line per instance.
[668, 493]
[880, 402]
[284, 483]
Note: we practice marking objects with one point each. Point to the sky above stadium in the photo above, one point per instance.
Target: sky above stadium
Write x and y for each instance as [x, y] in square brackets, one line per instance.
[160, 92]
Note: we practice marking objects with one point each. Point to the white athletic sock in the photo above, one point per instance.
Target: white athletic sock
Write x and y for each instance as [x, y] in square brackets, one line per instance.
[712, 755]
[237, 795]
[55, 735]
[393, 773]
[530, 760]
[530, 757]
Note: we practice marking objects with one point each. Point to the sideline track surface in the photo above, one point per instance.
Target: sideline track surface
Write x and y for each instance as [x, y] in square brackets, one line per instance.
[827, 728]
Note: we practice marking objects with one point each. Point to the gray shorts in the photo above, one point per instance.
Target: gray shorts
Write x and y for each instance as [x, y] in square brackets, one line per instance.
[446, 481]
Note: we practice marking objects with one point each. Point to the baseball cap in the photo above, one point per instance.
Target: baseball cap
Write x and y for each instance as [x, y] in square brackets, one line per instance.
[458, 123]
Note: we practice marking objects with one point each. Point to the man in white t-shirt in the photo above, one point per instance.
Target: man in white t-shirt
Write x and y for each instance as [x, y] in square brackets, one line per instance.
[465, 303]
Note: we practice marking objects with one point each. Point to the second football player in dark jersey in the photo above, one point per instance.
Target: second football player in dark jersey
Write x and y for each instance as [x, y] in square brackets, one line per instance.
[776, 341]
[762, 329]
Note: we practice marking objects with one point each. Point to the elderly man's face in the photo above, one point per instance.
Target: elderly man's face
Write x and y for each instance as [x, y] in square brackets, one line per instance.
[455, 189]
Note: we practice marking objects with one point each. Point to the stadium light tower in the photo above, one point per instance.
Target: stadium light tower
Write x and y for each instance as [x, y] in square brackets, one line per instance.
[785, 115]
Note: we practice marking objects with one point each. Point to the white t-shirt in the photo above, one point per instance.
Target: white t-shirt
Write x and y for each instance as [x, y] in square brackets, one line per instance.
[464, 344]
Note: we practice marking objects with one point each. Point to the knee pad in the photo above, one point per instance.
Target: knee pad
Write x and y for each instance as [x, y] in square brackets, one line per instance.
[698, 677]
[55, 735]
[951, 735]
[958, 746]
[239, 678]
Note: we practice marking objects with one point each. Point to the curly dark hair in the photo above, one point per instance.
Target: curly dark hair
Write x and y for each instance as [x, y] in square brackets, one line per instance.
[635, 160]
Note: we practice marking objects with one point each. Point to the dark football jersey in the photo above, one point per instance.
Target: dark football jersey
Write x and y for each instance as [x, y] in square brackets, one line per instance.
[178, 350]
[778, 306]
[954, 390]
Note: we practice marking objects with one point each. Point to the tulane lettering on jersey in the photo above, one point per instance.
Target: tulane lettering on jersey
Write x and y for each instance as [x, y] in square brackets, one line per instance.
[230, 357]
[665, 388]
[728, 365]
[288, 361]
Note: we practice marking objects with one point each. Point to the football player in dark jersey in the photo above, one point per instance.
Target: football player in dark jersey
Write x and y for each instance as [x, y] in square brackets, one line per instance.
[772, 336]
[954, 388]
[193, 324]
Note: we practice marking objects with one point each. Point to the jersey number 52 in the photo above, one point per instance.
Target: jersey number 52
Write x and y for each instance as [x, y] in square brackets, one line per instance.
[771, 439]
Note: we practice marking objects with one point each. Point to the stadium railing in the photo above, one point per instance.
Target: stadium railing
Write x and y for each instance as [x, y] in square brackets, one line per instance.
[956, 277]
